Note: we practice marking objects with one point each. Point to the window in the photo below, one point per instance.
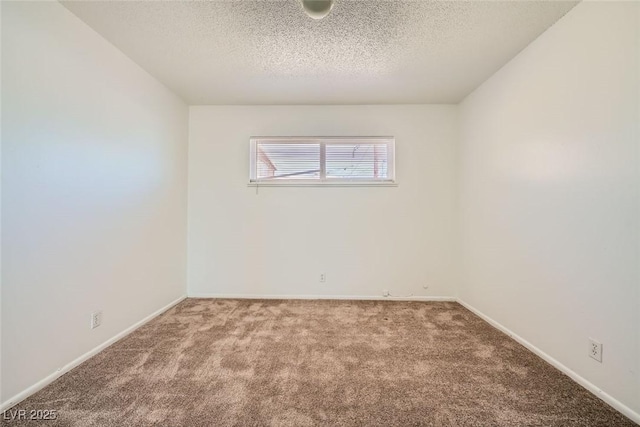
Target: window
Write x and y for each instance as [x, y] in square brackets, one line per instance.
[322, 160]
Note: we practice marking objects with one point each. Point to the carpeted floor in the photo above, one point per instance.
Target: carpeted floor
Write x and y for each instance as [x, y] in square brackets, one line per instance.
[300, 363]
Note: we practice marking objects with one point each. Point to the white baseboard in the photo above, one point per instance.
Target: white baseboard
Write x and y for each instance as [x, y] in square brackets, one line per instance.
[69, 366]
[323, 297]
[607, 398]
[610, 400]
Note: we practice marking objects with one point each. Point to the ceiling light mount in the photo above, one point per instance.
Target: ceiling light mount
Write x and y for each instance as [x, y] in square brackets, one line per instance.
[317, 9]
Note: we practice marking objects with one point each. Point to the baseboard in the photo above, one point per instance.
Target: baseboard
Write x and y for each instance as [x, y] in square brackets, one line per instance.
[323, 297]
[69, 366]
[610, 400]
[607, 398]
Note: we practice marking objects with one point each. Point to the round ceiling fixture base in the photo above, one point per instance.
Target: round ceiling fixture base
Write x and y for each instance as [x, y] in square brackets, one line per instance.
[317, 9]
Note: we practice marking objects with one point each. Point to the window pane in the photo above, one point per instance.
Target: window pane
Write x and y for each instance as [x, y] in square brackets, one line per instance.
[357, 161]
[288, 161]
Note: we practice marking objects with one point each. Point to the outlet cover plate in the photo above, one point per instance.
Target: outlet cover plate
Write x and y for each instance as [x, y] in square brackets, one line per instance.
[595, 350]
[96, 319]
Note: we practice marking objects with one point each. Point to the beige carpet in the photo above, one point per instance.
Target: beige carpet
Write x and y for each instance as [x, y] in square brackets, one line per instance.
[302, 363]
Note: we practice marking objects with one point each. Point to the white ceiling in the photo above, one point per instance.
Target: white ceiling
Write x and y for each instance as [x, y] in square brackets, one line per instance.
[364, 52]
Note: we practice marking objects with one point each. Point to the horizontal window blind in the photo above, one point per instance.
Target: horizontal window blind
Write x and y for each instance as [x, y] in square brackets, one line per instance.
[322, 159]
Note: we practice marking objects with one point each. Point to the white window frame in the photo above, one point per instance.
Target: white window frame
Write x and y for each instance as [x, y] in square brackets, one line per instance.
[323, 180]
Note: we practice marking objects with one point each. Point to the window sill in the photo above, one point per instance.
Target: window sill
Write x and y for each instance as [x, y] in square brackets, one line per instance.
[325, 184]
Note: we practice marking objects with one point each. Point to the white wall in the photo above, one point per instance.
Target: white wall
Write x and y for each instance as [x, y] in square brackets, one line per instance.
[549, 180]
[366, 240]
[1, 205]
[93, 192]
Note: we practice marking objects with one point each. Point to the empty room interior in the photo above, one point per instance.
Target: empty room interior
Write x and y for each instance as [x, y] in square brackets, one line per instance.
[320, 212]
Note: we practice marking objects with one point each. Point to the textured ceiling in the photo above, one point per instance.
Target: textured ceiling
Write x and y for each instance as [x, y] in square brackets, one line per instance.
[270, 52]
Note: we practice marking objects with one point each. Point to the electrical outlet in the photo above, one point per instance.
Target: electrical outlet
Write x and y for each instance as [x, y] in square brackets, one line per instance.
[386, 293]
[595, 350]
[323, 277]
[96, 319]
